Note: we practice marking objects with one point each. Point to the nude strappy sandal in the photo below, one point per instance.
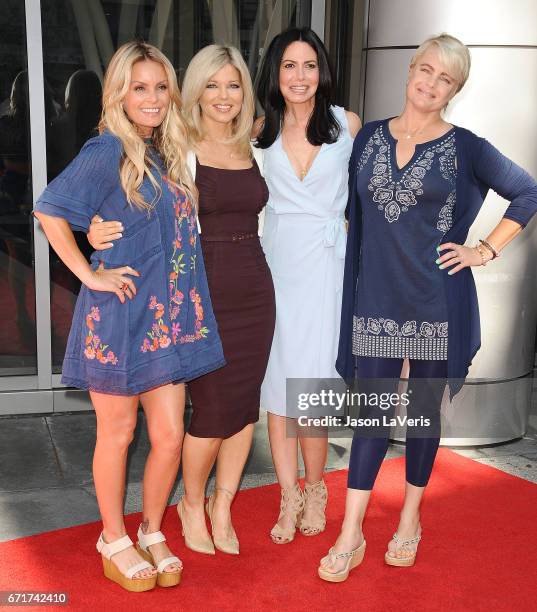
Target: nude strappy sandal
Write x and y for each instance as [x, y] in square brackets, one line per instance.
[292, 505]
[164, 579]
[313, 519]
[354, 558]
[403, 544]
[112, 572]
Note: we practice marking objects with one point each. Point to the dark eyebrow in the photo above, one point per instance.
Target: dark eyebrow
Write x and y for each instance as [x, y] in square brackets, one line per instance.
[297, 62]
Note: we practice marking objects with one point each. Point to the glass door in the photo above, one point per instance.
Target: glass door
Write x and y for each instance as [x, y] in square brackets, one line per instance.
[53, 55]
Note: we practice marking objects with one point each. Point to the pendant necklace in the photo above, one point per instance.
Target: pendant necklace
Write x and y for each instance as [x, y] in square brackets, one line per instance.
[303, 169]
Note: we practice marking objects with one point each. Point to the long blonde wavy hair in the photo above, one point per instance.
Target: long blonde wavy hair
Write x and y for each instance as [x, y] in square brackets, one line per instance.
[170, 138]
[201, 68]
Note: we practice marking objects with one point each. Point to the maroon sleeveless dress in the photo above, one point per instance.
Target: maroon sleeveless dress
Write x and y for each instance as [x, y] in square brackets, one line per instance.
[242, 295]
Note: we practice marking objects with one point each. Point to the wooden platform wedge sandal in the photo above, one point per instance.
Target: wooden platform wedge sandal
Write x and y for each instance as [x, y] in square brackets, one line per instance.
[112, 572]
[164, 579]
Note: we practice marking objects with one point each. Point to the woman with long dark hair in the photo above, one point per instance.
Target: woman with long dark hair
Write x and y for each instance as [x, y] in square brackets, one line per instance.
[307, 143]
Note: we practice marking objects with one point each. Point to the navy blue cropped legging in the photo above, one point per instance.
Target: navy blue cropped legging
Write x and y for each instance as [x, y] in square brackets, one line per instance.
[368, 451]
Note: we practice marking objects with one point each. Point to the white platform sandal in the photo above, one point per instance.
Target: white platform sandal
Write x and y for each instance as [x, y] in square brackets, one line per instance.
[164, 579]
[112, 572]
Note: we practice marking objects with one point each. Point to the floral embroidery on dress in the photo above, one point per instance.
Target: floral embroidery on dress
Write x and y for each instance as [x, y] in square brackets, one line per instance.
[377, 326]
[395, 197]
[183, 213]
[445, 216]
[157, 337]
[380, 337]
[200, 331]
[95, 349]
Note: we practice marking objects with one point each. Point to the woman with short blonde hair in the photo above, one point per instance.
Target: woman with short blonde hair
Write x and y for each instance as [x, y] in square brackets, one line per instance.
[417, 184]
[130, 343]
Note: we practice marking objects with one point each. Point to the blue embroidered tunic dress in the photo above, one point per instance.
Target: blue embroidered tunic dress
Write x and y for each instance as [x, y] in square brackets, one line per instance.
[480, 167]
[401, 308]
[167, 332]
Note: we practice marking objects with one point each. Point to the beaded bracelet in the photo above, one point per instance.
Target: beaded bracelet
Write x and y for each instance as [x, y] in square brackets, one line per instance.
[479, 249]
[490, 248]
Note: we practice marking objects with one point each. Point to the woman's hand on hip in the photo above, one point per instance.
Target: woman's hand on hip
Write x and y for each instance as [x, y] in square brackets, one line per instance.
[101, 233]
[457, 256]
[115, 281]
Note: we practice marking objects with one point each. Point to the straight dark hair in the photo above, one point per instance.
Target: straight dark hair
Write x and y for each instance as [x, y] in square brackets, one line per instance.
[323, 127]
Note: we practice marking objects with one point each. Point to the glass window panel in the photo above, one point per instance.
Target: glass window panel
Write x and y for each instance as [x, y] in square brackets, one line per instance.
[78, 40]
[17, 284]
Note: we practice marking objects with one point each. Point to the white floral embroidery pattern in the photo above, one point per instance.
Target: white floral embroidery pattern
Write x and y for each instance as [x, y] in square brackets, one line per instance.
[380, 337]
[395, 197]
[445, 216]
[366, 153]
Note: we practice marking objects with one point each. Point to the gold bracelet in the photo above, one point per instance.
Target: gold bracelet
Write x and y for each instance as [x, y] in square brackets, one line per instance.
[489, 246]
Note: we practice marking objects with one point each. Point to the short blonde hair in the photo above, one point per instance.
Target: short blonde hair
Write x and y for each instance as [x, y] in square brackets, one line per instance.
[202, 67]
[453, 53]
[170, 138]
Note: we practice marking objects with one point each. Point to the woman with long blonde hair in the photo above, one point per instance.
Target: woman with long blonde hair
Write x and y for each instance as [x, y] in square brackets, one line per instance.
[129, 342]
[218, 106]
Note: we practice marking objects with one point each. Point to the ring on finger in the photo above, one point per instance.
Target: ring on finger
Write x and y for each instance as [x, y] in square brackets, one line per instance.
[124, 287]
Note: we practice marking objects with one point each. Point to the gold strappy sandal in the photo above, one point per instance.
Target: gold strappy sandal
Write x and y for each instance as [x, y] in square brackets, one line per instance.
[313, 520]
[292, 505]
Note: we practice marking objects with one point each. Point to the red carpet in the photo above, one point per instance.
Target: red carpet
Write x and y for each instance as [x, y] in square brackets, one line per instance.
[478, 553]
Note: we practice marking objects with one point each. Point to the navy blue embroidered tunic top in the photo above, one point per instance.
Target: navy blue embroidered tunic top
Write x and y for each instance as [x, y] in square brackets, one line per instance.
[480, 167]
[167, 332]
[400, 304]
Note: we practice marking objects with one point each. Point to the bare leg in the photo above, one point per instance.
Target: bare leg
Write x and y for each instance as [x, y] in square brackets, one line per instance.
[230, 463]
[116, 420]
[314, 447]
[164, 409]
[351, 535]
[199, 455]
[409, 521]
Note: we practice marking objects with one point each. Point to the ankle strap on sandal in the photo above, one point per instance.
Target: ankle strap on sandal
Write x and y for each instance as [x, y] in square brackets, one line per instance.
[148, 539]
[292, 500]
[110, 549]
[316, 492]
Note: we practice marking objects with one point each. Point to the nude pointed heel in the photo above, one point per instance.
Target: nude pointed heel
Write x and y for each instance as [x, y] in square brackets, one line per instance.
[354, 558]
[112, 572]
[228, 545]
[204, 546]
[291, 504]
[403, 544]
[164, 579]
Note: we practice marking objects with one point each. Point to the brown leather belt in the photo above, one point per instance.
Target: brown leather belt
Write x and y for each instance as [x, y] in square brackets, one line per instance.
[229, 238]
